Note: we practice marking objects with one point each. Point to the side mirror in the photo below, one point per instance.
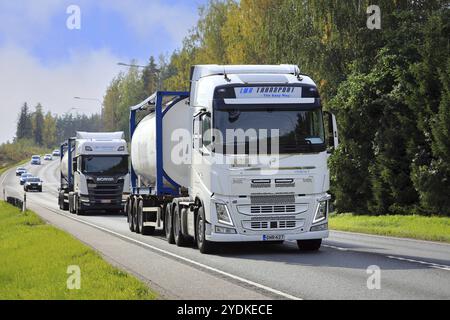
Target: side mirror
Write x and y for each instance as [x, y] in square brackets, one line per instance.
[75, 165]
[332, 131]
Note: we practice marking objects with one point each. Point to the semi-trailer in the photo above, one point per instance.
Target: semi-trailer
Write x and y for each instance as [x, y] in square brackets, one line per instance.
[94, 173]
[241, 157]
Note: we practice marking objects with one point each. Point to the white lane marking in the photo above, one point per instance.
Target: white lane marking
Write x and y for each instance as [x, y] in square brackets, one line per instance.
[432, 265]
[203, 266]
[5, 175]
[336, 248]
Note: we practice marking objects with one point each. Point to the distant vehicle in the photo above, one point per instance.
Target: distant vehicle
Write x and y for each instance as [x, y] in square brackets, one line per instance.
[33, 183]
[48, 157]
[36, 160]
[56, 153]
[94, 173]
[20, 171]
[24, 177]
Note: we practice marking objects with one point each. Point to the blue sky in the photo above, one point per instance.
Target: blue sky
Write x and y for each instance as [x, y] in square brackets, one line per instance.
[41, 60]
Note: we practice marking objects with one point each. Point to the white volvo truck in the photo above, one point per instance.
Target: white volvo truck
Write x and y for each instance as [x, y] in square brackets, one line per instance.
[94, 173]
[242, 157]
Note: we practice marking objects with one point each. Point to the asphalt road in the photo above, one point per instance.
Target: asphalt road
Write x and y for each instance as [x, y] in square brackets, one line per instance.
[409, 269]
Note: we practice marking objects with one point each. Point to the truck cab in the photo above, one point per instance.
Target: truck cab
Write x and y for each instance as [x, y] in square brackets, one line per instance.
[242, 157]
[260, 154]
[94, 172]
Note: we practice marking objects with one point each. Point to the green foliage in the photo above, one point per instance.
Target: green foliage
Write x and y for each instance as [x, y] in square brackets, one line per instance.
[411, 226]
[24, 123]
[38, 126]
[15, 152]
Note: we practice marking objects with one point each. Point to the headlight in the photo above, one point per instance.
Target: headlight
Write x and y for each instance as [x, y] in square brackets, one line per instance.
[321, 213]
[223, 216]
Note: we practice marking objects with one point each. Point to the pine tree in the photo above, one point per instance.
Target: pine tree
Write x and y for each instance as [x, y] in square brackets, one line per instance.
[24, 124]
[38, 125]
[151, 77]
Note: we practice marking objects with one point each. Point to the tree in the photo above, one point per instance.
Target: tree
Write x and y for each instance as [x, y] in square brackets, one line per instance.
[24, 124]
[49, 133]
[151, 77]
[38, 125]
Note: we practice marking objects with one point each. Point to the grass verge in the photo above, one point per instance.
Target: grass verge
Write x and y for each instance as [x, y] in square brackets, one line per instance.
[10, 166]
[414, 227]
[35, 258]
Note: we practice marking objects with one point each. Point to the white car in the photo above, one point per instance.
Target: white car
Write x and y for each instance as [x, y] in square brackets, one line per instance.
[56, 153]
[20, 171]
[24, 177]
[36, 160]
[33, 183]
[48, 157]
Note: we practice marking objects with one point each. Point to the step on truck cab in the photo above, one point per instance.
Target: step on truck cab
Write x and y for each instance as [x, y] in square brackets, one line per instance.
[242, 157]
[94, 173]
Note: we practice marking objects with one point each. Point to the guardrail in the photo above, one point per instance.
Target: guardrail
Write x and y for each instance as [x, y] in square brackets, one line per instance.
[19, 203]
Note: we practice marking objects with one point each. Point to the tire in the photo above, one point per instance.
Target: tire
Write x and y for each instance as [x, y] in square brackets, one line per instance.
[205, 246]
[135, 217]
[130, 214]
[71, 203]
[309, 245]
[62, 205]
[145, 231]
[168, 224]
[179, 238]
[78, 211]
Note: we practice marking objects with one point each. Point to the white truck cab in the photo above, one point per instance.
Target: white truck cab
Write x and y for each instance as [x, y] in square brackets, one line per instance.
[94, 172]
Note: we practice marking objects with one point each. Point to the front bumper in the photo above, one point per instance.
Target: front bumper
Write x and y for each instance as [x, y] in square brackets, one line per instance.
[94, 205]
[35, 188]
[216, 237]
[291, 217]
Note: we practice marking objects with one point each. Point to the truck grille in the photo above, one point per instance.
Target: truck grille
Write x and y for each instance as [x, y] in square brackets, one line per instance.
[111, 192]
[273, 209]
[272, 199]
[273, 225]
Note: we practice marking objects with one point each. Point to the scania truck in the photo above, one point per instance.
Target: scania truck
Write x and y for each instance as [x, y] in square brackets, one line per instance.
[241, 157]
[94, 173]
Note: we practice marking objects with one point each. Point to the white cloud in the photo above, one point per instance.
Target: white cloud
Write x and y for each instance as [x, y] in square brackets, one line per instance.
[24, 79]
[146, 18]
[25, 21]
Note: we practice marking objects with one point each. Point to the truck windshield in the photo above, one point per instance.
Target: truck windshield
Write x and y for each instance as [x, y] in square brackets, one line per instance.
[105, 165]
[299, 131]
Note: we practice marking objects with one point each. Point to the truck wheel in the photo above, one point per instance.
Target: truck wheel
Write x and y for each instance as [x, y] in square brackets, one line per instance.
[62, 205]
[168, 224]
[135, 217]
[71, 203]
[130, 214]
[78, 209]
[179, 238]
[205, 246]
[146, 231]
[309, 245]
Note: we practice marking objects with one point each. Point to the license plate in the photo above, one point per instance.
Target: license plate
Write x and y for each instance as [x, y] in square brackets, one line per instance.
[105, 201]
[273, 238]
